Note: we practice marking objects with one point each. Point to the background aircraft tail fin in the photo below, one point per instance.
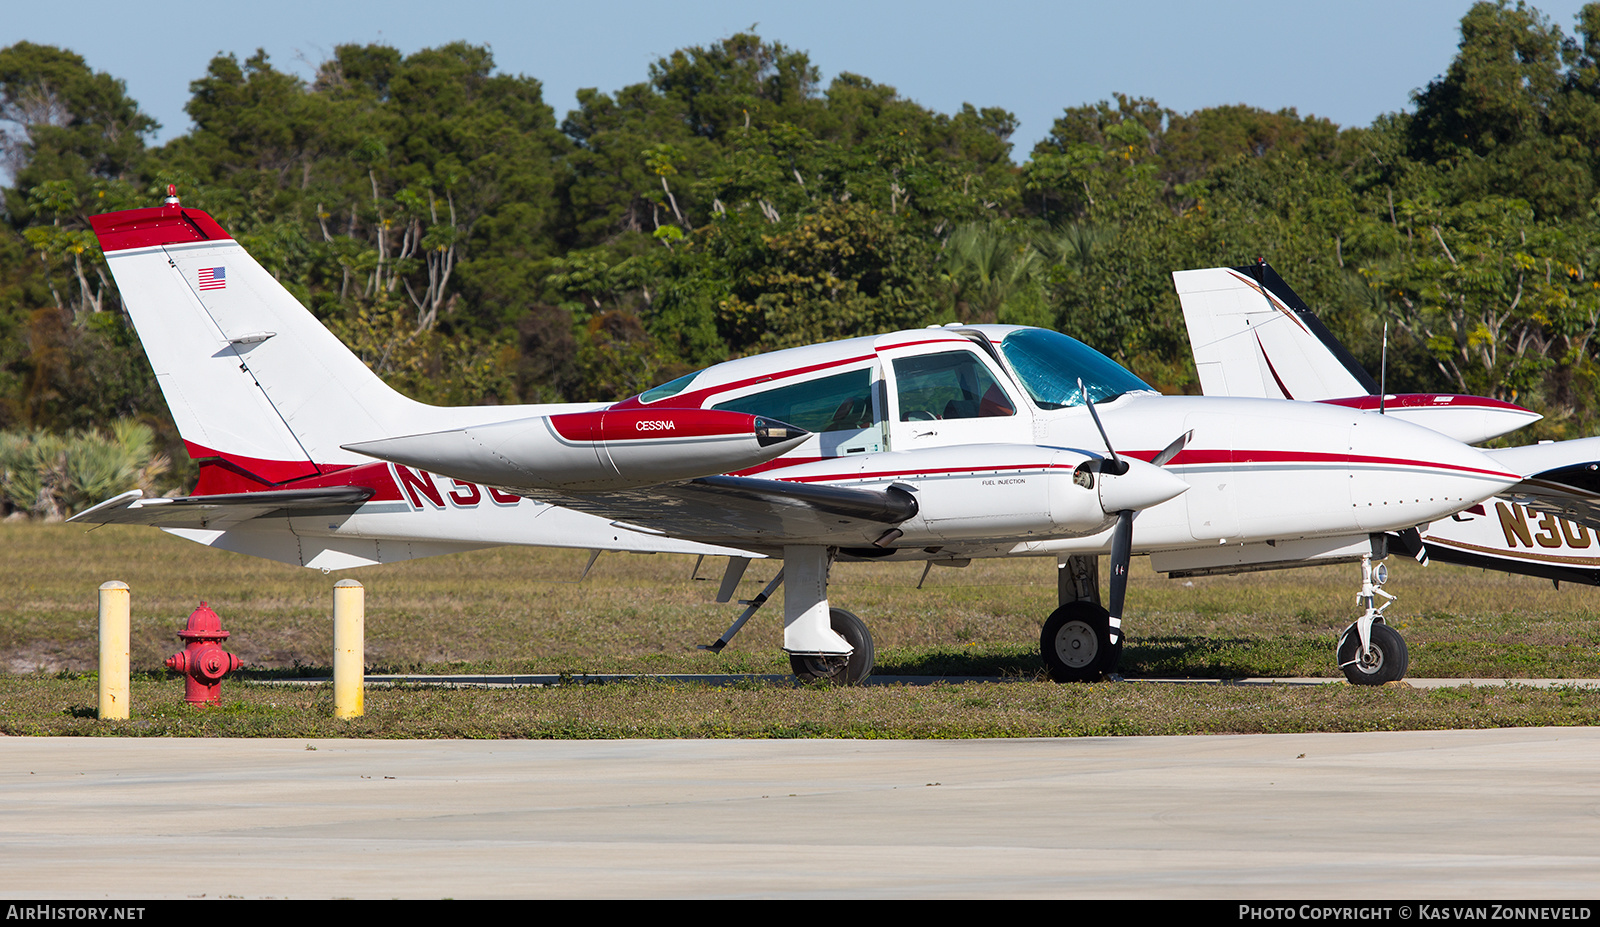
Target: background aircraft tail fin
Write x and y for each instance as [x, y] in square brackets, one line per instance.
[1252, 336]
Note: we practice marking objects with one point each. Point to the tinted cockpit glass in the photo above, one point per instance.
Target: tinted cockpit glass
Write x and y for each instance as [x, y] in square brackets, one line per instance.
[669, 389]
[1049, 364]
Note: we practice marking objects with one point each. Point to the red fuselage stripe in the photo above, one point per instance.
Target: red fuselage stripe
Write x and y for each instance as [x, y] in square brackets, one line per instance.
[1187, 458]
[1196, 457]
[377, 475]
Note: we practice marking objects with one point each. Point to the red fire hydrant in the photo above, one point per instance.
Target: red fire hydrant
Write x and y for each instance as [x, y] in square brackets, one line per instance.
[202, 661]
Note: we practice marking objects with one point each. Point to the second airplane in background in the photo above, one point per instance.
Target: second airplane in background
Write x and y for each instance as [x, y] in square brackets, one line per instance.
[1253, 336]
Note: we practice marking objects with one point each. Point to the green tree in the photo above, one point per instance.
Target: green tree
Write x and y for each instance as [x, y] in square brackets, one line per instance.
[68, 124]
[1501, 300]
[1508, 119]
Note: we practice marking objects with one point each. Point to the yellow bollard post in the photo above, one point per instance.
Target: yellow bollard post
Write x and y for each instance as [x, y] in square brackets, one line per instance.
[114, 634]
[349, 649]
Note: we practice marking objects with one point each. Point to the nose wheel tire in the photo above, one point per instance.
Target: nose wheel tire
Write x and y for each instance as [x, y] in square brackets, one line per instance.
[1387, 661]
[840, 670]
[1076, 643]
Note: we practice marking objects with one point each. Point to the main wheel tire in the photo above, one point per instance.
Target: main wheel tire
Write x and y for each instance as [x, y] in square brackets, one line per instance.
[839, 670]
[1386, 662]
[1076, 643]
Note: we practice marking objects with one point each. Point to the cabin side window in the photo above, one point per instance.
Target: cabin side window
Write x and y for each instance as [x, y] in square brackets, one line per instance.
[948, 385]
[842, 402]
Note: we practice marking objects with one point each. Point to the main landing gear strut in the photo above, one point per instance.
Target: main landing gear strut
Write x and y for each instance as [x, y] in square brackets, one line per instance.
[824, 644]
[1370, 652]
[1079, 642]
[1082, 640]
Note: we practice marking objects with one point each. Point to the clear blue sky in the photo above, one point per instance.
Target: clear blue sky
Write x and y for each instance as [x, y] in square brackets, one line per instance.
[1349, 61]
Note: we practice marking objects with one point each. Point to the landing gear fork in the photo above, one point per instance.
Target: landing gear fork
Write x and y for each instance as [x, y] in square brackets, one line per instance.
[1371, 652]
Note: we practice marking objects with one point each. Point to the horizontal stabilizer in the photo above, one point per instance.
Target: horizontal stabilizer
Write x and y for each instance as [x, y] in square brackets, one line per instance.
[320, 553]
[217, 511]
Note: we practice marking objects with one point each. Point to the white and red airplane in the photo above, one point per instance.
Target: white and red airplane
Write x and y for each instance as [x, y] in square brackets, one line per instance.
[943, 445]
[1253, 336]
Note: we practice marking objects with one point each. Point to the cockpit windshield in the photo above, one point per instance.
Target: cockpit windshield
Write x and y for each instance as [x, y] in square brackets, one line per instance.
[1049, 364]
[669, 389]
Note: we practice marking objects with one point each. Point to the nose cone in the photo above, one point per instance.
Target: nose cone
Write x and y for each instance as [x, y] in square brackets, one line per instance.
[781, 437]
[1403, 474]
[1141, 487]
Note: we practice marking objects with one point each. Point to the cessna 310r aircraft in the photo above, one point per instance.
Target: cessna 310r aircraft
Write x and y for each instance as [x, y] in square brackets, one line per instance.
[942, 445]
[1253, 336]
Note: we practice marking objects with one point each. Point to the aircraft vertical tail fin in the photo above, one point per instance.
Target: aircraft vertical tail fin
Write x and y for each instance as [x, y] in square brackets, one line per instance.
[258, 388]
[1252, 336]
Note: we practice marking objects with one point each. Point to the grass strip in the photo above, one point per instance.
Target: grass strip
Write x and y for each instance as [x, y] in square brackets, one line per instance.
[64, 705]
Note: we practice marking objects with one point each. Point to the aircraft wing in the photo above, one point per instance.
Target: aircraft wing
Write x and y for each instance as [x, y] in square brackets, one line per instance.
[219, 511]
[739, 512]
[751, 512]
[1564, 480]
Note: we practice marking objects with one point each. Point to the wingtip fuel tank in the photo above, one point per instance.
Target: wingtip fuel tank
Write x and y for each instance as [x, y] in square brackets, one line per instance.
[593, 451]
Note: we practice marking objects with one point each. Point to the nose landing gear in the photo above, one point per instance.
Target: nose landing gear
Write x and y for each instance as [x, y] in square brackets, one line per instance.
[1370, 652]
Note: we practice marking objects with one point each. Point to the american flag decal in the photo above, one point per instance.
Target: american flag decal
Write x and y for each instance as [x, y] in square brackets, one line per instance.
[213, 278]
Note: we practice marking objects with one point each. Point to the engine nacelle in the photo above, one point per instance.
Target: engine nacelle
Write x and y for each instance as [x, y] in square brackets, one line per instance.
[1000, 490]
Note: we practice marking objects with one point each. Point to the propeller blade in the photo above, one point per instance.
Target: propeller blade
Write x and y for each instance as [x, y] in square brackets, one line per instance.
[1121, 553]
[1117, 466]
[1412, 544]
[1122, 534]
[1174, 449]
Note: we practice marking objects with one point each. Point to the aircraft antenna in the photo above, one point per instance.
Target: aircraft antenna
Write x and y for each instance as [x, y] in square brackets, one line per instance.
[1383, 368]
